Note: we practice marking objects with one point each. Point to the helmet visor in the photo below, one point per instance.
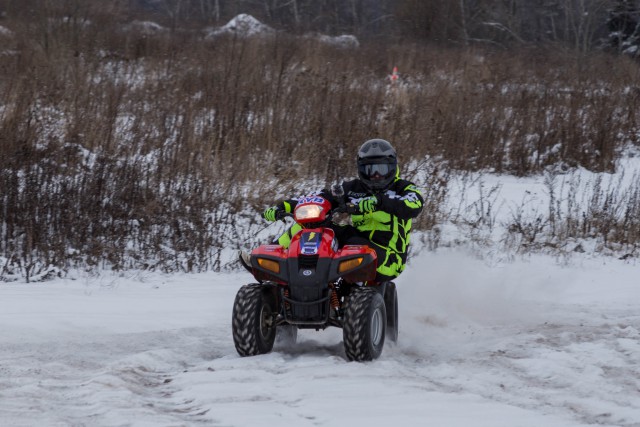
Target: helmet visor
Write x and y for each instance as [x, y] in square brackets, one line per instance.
[377, 170]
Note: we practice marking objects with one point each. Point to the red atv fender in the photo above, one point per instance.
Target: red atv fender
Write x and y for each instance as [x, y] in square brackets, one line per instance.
[355, 263]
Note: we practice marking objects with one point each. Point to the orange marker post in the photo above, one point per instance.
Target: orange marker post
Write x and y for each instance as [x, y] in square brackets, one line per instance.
[394, 75]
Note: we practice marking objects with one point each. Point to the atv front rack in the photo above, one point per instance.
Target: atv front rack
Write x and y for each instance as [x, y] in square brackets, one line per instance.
[322, 322]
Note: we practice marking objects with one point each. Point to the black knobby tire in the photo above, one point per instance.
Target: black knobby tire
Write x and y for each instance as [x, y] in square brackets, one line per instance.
[364, 326]
[253, 321]
[391, 304]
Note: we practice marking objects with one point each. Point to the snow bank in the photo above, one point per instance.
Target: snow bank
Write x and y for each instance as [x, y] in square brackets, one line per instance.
[145, 27]
[5, 32]
[344, 41]
[242, 25]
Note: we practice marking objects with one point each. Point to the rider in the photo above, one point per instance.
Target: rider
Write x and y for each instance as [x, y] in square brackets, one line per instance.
[381, 205]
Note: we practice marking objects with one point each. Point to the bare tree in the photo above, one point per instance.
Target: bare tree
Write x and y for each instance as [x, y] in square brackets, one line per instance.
[210, 10]
[578, 23]
[584, 18]
[173, 9]
[463, 22]
[355, 15]
[294, 9]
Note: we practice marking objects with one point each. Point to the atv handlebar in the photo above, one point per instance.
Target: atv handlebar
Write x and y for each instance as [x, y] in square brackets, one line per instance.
[281, 215]
[337, 191]
[348, 208]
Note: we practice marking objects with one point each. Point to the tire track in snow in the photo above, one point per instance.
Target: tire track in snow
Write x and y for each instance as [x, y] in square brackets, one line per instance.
[582, 365]
[101, 381]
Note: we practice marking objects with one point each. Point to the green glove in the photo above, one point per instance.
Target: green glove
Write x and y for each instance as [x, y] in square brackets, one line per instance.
[272, 214]
[368, 204]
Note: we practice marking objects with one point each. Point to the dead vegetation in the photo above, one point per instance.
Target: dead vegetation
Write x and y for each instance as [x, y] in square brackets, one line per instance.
[124, 148]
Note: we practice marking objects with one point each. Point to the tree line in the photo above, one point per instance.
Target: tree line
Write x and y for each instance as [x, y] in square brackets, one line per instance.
[581, 25]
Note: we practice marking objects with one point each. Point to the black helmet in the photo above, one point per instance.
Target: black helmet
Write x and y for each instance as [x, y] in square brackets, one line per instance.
[377, 164]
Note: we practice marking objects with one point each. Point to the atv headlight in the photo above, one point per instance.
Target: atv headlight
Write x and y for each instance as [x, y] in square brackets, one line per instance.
[270, 265]
[308, 212]
[349, 264]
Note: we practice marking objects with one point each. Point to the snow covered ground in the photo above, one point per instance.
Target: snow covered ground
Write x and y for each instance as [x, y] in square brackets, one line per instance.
[526, 343]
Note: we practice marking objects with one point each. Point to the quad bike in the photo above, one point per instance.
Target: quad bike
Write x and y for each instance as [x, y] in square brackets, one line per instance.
[313, 284]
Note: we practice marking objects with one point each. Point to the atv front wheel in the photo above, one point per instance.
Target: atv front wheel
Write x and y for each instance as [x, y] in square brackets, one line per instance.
[364, 327]
[253, 321]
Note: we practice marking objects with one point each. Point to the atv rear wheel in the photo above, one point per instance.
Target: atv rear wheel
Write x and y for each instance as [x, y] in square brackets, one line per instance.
[391, 304]
[253, 321]
[364, 327]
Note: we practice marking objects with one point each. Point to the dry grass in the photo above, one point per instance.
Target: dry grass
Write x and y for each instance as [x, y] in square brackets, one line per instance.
[133, 150]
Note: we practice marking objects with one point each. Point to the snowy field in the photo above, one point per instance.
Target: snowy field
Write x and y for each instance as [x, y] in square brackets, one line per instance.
[527, 343]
